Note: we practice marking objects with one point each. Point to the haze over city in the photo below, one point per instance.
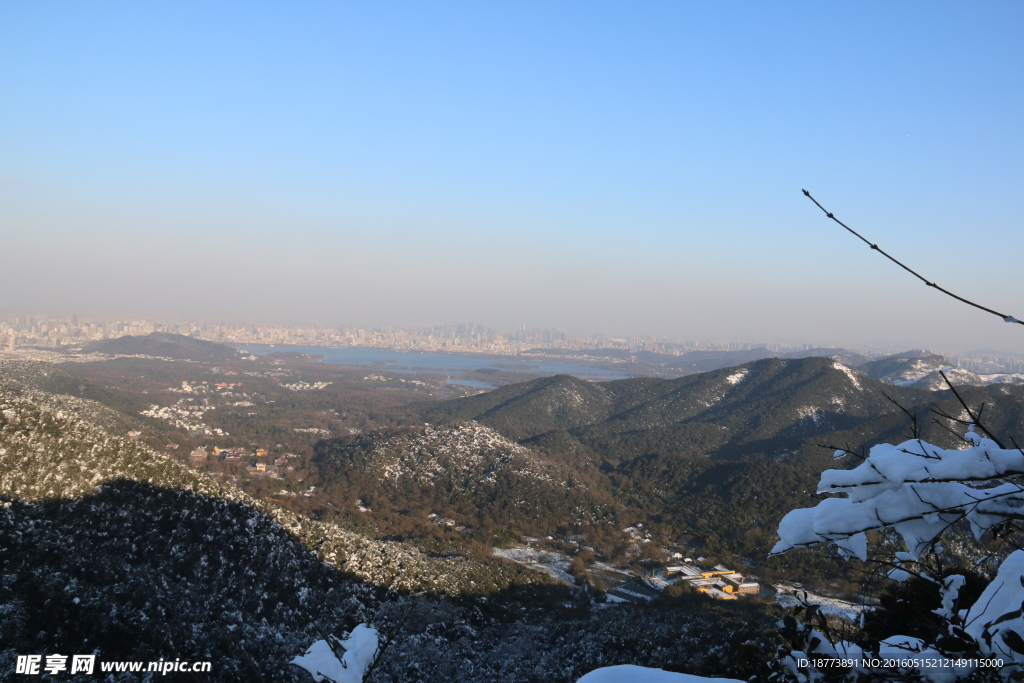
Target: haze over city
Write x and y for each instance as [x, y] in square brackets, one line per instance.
[624, 170]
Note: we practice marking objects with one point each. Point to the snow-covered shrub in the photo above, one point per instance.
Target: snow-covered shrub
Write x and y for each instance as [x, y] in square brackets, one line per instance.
[341, 661]
[919, 491]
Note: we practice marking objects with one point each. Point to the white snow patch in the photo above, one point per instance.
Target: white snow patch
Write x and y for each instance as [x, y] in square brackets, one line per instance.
[787, 597]
[737, 377]
[323, 664]
[849, 373]
[638, 596]
[809, 412]
[552, 563]
[628, 673]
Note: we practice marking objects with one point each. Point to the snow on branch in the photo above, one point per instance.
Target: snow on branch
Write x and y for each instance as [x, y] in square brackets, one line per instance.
[341, 661]
[920, 490]
[917, 489]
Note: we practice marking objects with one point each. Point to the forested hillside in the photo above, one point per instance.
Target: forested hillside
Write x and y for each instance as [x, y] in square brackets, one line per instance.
[469, 473]
[714, 459]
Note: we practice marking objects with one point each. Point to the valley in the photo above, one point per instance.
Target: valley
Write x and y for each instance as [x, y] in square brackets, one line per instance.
[551, 504]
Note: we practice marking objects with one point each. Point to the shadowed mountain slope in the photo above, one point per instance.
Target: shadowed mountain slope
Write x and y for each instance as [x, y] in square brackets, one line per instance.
[139, 572]
[49, 452]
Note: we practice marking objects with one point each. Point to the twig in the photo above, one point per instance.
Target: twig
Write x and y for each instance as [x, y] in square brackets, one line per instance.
[976, 418]
[379, 655]
[941, 413]
[953, 432]
[913, 417]
[846, 451]
[1006, 318]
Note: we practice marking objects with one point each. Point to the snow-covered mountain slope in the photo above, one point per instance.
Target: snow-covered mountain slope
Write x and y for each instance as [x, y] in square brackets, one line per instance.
[764, 406]
[960, 377]
[463, 469]
[921, 369]
[467, 451]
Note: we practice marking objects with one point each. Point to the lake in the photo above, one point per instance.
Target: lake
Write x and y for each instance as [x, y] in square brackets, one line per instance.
[447, 363]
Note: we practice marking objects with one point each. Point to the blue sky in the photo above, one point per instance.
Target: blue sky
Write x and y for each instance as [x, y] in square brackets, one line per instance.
[622, 167]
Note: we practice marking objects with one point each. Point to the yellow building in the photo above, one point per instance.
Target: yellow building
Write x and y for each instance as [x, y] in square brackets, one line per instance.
[719, 582]
[717, 570]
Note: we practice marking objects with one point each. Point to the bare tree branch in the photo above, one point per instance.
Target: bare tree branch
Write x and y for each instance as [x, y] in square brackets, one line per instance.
[915, 431]
[941, 413]
[976, 418]
[1006, 318]
[953, 432]
[846, 451]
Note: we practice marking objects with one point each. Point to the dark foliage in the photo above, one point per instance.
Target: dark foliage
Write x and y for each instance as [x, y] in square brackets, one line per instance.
[716, 459]
[165, 345]
[139, 572]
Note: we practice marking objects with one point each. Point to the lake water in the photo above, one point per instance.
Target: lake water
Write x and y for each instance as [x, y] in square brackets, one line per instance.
[447, 363]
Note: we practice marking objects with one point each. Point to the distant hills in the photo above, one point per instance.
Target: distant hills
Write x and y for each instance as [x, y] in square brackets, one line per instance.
[911, 368]
[702, 361]
[759, 408]
[904, 368]
[711, 460]
[164, 345]
[719, 456]
[921, 369]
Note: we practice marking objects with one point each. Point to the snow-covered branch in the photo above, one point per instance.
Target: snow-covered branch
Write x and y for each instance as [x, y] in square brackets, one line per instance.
[915, 488]
[920, 491]
[341, 661]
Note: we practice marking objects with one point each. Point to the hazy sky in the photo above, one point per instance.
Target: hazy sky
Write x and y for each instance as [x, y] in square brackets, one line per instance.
[620, 167]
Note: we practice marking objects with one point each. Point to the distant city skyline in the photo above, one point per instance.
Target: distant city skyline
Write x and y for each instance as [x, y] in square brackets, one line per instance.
[620, 167]
[55, 332]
